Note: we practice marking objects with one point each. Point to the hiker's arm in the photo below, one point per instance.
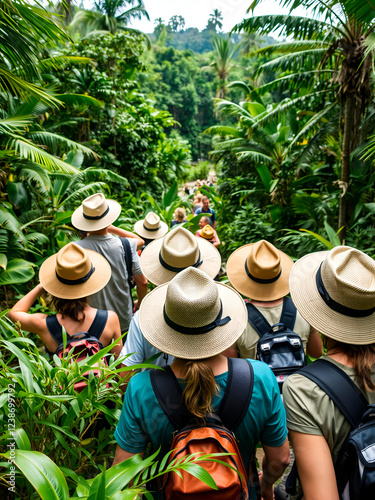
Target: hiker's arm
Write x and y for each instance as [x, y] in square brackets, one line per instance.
[275, 461]
[116, 329]
[217, 241]
[122, 455]
[34, 323]
[314, 347]
[315, 466]
[141, 285]
[126, 234]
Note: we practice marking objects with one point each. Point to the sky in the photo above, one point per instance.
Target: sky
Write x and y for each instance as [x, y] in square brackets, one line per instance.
[196, 12]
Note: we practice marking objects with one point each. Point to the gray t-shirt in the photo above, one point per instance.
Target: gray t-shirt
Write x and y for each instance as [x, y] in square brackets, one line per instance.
[116, 295]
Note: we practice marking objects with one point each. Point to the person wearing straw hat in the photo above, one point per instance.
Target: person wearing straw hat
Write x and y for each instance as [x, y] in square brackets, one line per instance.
[195, 319]
[335, 292]
[70, 276]
[95, 215]
[260, 272]
[161, 261]
[150, 228]
[207, 232]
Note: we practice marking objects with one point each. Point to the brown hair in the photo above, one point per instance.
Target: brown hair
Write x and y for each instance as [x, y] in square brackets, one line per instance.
[71, 308]
[200, 387]
[362, 357]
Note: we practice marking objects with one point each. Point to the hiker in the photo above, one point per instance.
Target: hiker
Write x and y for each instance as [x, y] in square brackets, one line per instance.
[161, 261]
[197, 202]
[334, 291]
[205, 209]
[194, 319]
[207, 232]
[70, 276]
[179, 216]
[150, 228]
[96, 215]
[260, 272]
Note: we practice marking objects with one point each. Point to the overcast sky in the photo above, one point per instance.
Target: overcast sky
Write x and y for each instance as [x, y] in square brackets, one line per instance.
[196, 12]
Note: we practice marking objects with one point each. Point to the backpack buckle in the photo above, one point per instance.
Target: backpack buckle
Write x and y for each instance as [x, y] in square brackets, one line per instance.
[295, 342]
[266, 348]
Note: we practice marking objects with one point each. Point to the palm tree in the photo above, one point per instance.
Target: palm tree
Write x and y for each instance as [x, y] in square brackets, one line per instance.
[330, 53]
[224, 52]
[215, 19]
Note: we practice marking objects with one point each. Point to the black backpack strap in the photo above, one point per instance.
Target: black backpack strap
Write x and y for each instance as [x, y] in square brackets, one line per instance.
[54, 329]
[257, 320]
[128, 260]
[97, 326]
[289, 313]
[238, 392]
[169, 395]
[339, 387]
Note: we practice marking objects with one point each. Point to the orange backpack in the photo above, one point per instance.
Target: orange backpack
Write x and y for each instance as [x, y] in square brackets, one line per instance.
[215, 437]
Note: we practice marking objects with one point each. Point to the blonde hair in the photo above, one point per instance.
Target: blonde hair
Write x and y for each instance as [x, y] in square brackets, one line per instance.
[198, 197]
[362, 356]
[180, 214]
[200, 387]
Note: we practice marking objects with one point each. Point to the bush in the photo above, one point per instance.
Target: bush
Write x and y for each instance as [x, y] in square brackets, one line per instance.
[200, 171]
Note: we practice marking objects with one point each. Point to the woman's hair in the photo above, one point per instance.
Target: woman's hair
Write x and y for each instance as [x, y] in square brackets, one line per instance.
[180, 214]
[200, 387]
[198, 197]
[362, 356]
[71, 308]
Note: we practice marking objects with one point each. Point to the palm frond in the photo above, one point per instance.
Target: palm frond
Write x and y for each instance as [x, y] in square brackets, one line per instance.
[308, 59]
[92, 174]
[59, 62]
[52, 140]
[35, 173]
[223, 130]
[10, 222]
[79, 99]
[301, 79]
[291, 46]
[83, 192]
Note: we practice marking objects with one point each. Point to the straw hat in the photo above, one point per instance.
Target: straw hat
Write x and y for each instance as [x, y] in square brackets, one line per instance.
[162, 259]
[95, 213]
[151, 227]
[207, 232]
[335, 292]
[192, 317]
[74, 272]
[260, 271]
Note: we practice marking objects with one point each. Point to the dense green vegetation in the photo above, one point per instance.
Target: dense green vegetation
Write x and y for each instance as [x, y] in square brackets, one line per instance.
[89, 104]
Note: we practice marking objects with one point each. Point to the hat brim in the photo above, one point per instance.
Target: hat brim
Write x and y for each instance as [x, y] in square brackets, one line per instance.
[97, 281]
[157, 274]
[249, 288]
[311, 306]
[83, 224]
[166, 339]
[150, 235]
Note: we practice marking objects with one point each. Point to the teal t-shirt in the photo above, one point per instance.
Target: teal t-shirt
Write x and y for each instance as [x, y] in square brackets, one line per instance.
[143, 420]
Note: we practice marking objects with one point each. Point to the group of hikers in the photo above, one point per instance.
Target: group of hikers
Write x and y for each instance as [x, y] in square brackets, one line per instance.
[199, 328]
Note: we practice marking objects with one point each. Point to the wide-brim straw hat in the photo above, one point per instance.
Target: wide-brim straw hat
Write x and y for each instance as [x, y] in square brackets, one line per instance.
[335, 292]
[183, 318]
[162, 259]
[151, 227]
[260, 271]
[74, 272]
[207, 232]
[95, 213]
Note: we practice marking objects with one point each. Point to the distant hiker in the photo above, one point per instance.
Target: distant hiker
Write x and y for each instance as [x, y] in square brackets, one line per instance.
[179, 216]
[205, 209]
[194, 319]
[207, 232]
[70, 276]
[260, 272]
[197, 202]
[95, 215]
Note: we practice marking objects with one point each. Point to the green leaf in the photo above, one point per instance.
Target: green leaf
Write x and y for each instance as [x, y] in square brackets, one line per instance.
[200, 473]
[255, 108]
[171, 195]
[17, 194]
[265, 175]
[325, 242]
[3, 261]
[98, 487]
[332, 236]
[42, 473]
[18, 271]
[19, 436]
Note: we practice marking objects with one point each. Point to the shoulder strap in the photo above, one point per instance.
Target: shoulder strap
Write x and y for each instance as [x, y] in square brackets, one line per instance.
[238, 392]
[97, 326]
[169, 393]
[257, 320]
[339, 387]
[128, 258]
[54, 328]
[289, 313]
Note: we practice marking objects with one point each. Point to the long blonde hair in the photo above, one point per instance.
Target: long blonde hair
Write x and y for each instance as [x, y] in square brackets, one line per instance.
[200, 387]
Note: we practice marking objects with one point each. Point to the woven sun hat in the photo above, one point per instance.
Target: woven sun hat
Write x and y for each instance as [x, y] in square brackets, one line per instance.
[192, 316]
[260, 271]
[151, 227]
[207, 232]
[74, 272]
[162, 259]
[335, 292]
[95, 213]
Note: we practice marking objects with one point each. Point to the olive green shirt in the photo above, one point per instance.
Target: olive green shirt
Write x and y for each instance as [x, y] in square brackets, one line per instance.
[247, 343]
